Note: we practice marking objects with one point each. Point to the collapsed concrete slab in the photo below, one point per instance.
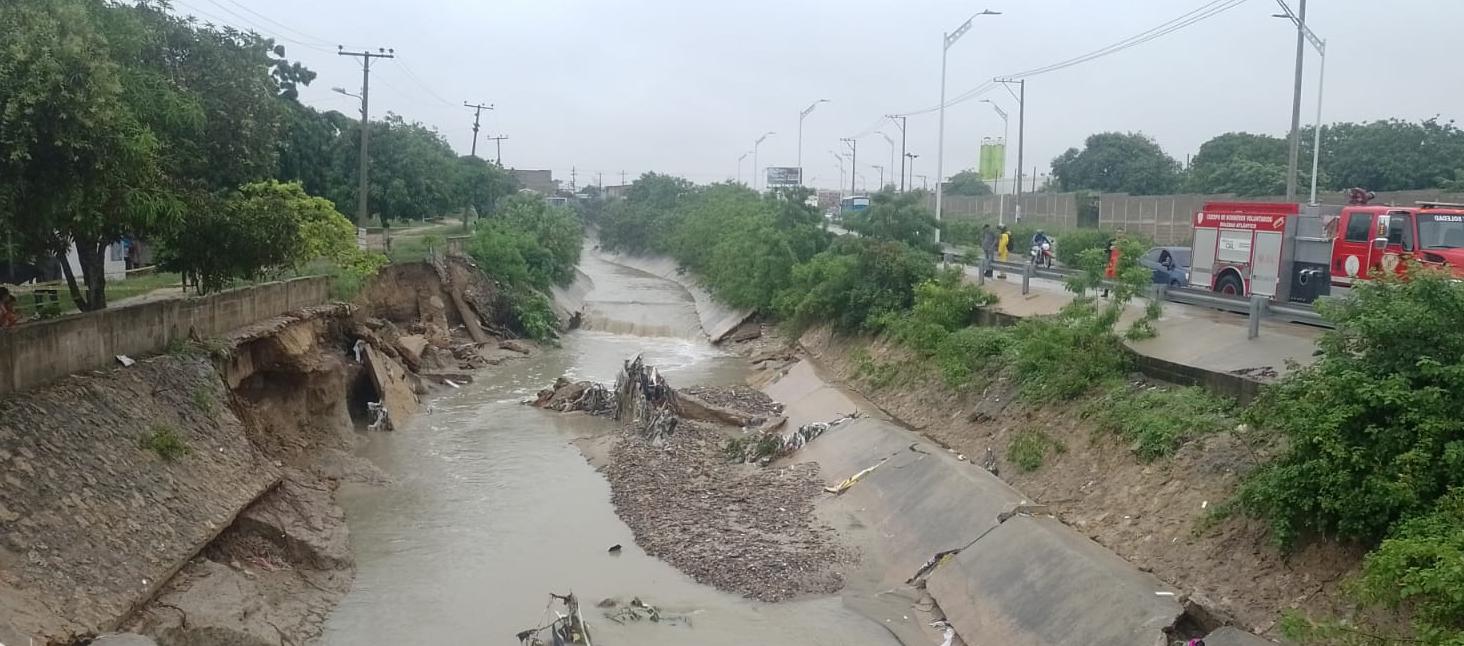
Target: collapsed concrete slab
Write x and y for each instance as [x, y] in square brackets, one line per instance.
[392, 384]
[1032, 580]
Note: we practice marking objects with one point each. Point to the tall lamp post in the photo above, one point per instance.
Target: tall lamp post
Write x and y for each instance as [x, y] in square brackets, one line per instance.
[755, 145]
[1301, 32]
[839, 158]
[891, 142]
[911, 157]
[1320, 45]
[739, 165]
[900, 121]
[947, 40]
[803, 114]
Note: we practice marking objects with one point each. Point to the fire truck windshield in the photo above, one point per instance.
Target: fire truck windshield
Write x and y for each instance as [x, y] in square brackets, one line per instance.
[1440, 231]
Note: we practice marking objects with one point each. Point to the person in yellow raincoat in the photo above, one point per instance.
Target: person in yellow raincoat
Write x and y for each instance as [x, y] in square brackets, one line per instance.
[1003, 244]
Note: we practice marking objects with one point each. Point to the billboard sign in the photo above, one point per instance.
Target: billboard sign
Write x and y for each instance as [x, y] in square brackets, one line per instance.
[993, 159]
[784, 176]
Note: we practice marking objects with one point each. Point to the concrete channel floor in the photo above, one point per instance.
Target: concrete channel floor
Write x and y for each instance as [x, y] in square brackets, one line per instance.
[1188, 335]
[1005, 573]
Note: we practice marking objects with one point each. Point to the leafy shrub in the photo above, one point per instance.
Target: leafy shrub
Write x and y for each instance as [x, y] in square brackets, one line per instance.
[1373, 429]
[942, 305]
[852, 284]
[165, 442]
[1422, 565]
[533, 315]
[556, 233]
[964, 353]
[1061, 357]
[1029, 449]
[896, 217]
[1157, 421]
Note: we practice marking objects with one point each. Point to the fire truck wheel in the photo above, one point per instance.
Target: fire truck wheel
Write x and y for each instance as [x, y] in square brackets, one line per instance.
[1230, 285]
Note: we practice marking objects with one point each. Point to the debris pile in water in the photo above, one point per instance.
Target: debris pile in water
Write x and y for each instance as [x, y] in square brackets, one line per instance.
[762, 446]
[566, 396]
[644, 400]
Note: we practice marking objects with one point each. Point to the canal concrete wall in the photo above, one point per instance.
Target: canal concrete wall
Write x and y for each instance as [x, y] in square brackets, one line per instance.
[37, 353]
[1001, 570]
[718, 319]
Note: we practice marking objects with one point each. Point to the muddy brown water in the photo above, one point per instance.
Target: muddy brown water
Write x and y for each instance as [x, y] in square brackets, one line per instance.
[493, 508]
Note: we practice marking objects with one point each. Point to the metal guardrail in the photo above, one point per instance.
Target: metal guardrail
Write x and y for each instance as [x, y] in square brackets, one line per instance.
[1255, 307]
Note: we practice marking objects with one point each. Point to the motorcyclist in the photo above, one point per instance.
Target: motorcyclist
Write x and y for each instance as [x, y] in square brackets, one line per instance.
[1040, 238]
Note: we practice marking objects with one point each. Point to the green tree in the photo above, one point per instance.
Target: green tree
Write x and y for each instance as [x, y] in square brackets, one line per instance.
[855, 284]
[483, 184]
[1114, 162]
[643, 220]
[900, 217]
[1391, 155]
[554, 231]
[967, 182]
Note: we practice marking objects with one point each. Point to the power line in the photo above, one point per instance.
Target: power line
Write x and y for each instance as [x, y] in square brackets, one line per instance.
[1207, 10]
[320, 41]
[414, 79]
[245, 22]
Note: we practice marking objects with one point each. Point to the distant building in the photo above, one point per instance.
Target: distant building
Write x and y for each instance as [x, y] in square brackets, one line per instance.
[617, 192]
[540, 181]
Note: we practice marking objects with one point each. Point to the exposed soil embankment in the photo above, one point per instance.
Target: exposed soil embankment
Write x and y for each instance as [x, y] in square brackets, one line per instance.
[1155, 515]
[190, 496]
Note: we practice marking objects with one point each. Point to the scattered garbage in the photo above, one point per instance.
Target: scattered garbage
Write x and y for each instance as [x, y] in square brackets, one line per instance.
[762, 446]
[947, 631]
[638, 610]
[566, 628]
[359, 348]
[989, 462]
[615, 549]
[378, 416]
[643, 398]
[849, 482]
[566, 396]
[452, 383]
[125, 360]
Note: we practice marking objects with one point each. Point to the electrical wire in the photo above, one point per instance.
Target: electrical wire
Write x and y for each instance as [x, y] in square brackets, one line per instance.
[251, 26]
[1204, 11]
[317, 40]
[406, 69]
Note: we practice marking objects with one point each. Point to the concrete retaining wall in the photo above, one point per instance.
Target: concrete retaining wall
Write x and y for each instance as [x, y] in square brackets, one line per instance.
[717, 319]
[37, 353]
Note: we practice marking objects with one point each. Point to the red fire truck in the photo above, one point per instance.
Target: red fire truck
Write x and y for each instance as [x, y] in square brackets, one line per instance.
[1291, 252]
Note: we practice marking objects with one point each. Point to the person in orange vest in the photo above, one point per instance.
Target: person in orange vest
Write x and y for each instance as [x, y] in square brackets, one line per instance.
[1111, 270]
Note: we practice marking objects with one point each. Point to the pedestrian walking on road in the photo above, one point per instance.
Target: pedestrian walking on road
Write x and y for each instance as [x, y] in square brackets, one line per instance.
[988, 249]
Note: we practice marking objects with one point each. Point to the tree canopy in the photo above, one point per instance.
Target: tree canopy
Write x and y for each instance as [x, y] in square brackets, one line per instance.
[967, 182]
[1115, 162]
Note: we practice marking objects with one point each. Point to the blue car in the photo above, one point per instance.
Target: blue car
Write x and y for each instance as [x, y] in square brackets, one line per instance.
[1171, 265]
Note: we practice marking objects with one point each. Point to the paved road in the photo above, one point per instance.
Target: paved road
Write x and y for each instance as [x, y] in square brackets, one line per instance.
[1188, 335]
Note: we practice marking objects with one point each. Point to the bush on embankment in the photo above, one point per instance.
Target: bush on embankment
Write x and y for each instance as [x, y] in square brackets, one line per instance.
[1373, 451]
[529, 246]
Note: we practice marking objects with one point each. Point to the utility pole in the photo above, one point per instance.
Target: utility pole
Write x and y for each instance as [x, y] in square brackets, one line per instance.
[853, 162]
[477, 113]
[881, 174]
[363, 212]
[572, 179]
[739, 167]
[1320, 45]
[924, 182]
[839, 158]
[912, 157]
[1021, 97]
[1296, 105]
[622, 178]
[900, 121]
[498, 141]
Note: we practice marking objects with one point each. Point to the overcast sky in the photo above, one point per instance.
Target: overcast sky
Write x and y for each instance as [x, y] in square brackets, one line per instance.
[685, 86]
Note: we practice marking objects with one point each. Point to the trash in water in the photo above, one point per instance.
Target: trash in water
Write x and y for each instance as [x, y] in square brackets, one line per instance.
[765, 445]
[849, 482]
[125, 360]
[452, 383]
[378, 415]
[615, 549]
[566, 629]
[638, 610]
[947, 630]
[359, 348]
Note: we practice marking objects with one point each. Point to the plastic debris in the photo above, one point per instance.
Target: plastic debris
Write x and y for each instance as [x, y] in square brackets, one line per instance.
[378, 416]
[947, 631]
[125, 360]
[359, 348]
[849, 482]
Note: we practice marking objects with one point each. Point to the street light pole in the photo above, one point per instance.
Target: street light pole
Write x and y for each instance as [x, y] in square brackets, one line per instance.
[739, 166]
[900, 121]
[911, 157]
[839, 158]
[853, 163]
[1291, 161]
[1321, 46]
[891, 142]
[1006, 132]
[755, 145]
[881, 174]
[801, 116]
[947, 40]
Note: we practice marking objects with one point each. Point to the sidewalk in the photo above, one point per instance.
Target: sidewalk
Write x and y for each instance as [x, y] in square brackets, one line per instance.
[1188, 335]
